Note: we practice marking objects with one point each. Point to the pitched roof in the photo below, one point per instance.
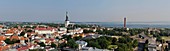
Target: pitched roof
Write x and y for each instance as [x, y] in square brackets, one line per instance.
[22, 38]
[12, 30]
[2, 38]
[14, 37]
[2, 48]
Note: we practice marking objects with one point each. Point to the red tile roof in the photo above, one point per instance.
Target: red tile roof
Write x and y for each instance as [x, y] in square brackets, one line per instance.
[14, 37]
[12, 30]
[22, 38]
[1, 43]
[2, 48]
[2, 38]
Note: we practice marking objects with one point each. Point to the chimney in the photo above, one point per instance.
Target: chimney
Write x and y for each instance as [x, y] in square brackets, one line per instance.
[125, 22]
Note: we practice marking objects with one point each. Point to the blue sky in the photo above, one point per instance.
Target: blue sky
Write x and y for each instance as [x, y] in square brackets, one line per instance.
[85, 10]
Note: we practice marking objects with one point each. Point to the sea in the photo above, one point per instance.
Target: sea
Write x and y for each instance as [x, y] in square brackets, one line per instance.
[131, 24]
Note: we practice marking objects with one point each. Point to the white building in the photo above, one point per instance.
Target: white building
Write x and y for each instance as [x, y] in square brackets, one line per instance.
[62, 31]
[75, 31]
[67, 22]
[45, 30]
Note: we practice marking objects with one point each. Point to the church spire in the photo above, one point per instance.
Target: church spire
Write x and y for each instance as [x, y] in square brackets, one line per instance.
[66, 16]
[67, 22]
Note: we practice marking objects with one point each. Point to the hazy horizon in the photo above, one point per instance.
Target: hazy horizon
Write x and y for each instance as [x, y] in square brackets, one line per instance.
[85, 10]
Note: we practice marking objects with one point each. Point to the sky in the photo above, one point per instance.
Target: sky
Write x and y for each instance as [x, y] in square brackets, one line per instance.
[85, 10]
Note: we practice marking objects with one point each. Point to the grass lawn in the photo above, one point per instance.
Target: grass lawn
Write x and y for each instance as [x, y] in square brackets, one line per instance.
[166, 38]
[112, 47]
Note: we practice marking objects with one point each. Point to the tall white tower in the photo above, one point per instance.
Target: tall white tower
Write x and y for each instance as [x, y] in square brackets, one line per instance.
[67, 22]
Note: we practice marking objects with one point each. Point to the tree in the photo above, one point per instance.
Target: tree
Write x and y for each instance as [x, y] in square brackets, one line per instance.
[71, 43]
[22, 33]
[53, 45]
[120, 49]
[122, 40]
[135, 43]
[158, 39]
[100, 32]
[93, 44]
[8, 41]
[62, 45]
[109, 38]
[124, 43]
[114, 40]
[67, 37]
[87, 31]
[29, 30]
[75, 46]
[104, 43]
[124, 47]
[77, 38]
[147, 41]
[42, 44]
[57, 38]
[27, 27]
[33, 49]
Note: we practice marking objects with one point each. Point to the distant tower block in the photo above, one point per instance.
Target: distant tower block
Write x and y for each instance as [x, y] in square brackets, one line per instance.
[124, 22]
[67, 22]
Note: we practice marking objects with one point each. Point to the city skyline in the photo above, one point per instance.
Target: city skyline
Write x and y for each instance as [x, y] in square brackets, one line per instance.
[85, 10]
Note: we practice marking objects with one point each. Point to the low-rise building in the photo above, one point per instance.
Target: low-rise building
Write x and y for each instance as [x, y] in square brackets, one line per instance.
[45, 30]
